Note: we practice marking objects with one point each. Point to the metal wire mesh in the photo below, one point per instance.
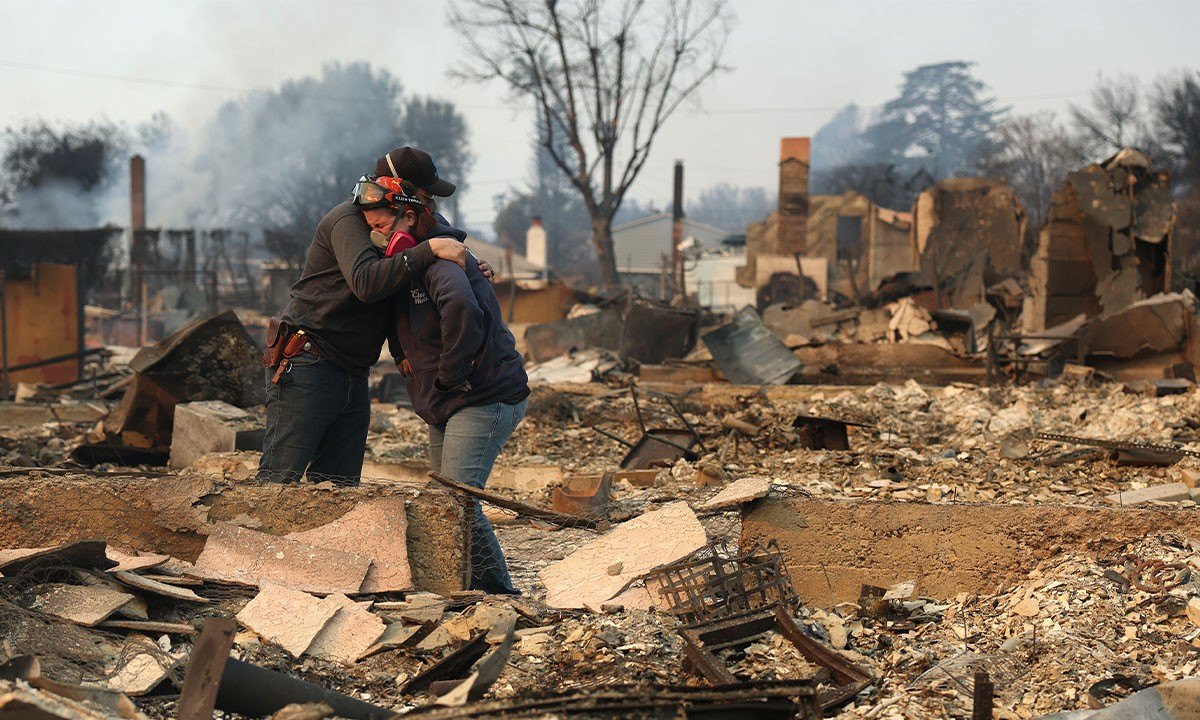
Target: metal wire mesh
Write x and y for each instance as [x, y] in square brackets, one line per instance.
[66, 651]
[717, 582]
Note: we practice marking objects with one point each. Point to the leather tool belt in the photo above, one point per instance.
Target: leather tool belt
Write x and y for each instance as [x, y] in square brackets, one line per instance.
[285, 342]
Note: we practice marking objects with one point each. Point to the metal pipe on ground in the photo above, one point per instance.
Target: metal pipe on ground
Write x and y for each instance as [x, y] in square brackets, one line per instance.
[258, 692]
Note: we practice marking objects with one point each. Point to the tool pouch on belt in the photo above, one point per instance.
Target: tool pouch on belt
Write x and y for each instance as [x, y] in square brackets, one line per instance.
[276, 332]
[293, 345]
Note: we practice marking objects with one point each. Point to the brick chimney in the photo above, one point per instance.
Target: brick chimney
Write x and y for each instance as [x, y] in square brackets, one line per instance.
[793, 195]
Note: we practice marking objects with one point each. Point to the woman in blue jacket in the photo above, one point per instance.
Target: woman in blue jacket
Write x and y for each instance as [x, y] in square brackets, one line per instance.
[465, 376]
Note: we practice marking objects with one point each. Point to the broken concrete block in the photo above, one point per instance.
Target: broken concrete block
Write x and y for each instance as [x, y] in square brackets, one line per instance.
[81, 604]
[211, 359]
[374, 529]
[710, 474]
[658, 537]
[153, 586]
[453, 632]
[1186, 471]
[527, 478]
[249, 557]
[80, 554]
[534, 645]
[289, 618]
[127, 562]
[420, 608]
[348, 634]
[497, 620]
[1171, 492]
[740, 492]
[26, 702]
[211, 426]
[394, 635]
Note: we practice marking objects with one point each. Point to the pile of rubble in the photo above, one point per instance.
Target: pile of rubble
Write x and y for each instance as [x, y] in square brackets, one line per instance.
[776, 551]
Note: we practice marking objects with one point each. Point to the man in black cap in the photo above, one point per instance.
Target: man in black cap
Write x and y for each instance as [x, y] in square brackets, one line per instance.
[331, 333]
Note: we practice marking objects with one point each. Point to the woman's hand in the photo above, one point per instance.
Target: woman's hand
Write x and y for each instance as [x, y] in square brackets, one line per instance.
[405, 368]
[449, 249]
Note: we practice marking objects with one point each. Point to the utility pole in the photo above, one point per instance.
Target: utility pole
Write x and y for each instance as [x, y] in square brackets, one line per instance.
[137, 224]
[677, 283]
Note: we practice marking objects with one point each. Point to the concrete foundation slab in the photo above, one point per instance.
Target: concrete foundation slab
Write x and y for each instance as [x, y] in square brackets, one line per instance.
[169, 515]
[834, 547]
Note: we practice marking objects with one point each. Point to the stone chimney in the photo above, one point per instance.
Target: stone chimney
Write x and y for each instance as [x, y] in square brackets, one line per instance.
[793, 196]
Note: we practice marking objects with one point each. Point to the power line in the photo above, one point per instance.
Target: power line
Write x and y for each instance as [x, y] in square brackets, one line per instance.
[208, 87]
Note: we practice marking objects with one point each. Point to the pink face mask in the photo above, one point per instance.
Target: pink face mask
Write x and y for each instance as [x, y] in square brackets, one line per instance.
[400, 242]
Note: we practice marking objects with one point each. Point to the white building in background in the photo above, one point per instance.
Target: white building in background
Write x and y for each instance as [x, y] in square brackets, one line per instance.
[642, 248]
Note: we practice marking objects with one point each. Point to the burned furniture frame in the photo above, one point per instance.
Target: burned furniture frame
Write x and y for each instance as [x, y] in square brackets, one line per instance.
[713, 583]
[702, 641]
[1004, 355]
[658, 446]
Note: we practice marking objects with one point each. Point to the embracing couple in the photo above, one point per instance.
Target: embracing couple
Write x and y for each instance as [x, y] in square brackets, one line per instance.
[384, 265]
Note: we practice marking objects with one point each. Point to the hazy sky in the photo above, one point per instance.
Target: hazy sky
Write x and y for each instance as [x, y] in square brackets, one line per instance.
[794, 63]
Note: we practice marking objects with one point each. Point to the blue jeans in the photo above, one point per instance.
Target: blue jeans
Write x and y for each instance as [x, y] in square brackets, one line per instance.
[317, 421]
[464, 449]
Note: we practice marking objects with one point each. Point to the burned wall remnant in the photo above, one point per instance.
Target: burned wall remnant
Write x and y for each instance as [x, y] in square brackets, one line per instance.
[852, 245]
[1106, 243]
[862, 242]
[793, 195]
[968, 234]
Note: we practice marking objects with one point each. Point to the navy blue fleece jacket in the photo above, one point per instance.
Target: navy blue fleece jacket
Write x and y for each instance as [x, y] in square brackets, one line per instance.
[450, 328]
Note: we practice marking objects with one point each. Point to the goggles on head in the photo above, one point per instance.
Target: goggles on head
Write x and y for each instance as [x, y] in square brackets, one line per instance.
[371, 193]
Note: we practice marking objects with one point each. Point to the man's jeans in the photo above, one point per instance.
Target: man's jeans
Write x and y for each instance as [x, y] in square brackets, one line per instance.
[317, 421]
[464, 449]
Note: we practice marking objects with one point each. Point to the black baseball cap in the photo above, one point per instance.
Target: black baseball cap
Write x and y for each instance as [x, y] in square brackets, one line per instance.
[416, 167]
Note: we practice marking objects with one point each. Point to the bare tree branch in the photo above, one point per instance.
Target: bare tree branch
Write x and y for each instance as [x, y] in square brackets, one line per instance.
[603, 76]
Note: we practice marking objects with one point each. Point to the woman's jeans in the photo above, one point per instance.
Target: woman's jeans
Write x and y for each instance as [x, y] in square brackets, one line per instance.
[464, 449]
[317, 421]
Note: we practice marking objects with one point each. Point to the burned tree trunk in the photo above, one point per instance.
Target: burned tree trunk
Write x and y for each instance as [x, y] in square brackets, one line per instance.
[605, 255]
